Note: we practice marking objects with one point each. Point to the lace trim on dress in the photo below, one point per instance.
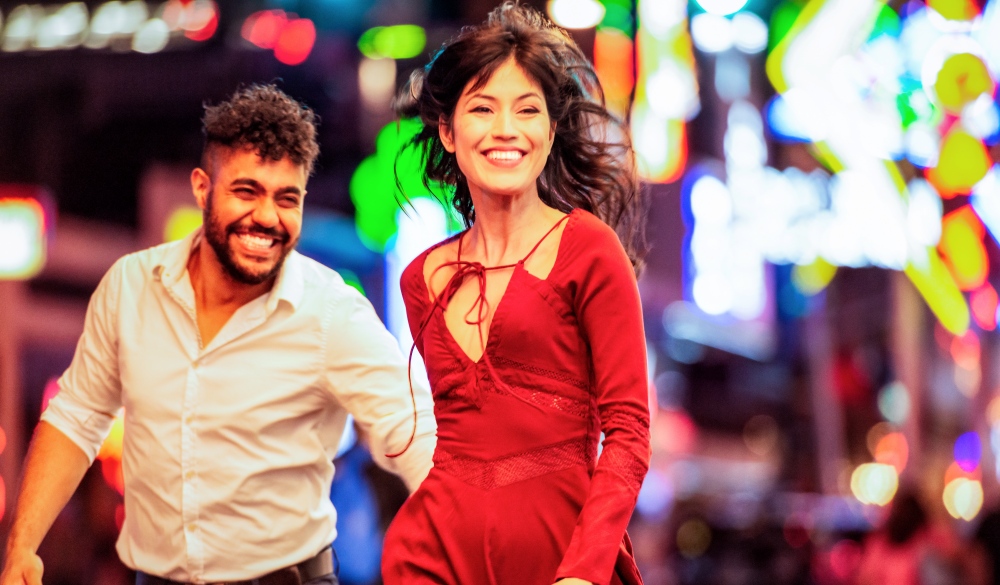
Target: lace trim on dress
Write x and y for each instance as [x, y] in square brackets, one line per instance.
[551, 374]
[488, 474]
[621, 460]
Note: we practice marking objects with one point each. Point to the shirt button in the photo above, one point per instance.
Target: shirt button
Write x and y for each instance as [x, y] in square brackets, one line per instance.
[188, 419]
[189, 475]
[191, 527]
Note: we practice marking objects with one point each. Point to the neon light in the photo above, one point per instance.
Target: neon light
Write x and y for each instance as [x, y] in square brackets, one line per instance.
[666, 93]
[264, 28]
[576, 14]
[296, 41]
[614, 63]
[968, 451]
[181, 222]
[373, 186]
[22, 238]
[402, 41]
[963, 498]
[962, 248]
[984, 304]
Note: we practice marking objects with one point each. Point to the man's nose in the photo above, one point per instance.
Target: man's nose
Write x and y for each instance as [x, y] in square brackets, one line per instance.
[266, 212]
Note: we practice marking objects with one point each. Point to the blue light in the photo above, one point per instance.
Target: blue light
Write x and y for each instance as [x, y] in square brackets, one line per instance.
[968, 451]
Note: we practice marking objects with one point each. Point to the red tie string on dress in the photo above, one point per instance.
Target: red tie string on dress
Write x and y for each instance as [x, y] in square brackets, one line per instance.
[464, 269]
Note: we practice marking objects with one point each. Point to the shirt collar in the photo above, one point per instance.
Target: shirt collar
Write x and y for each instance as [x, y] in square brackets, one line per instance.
[288, 286]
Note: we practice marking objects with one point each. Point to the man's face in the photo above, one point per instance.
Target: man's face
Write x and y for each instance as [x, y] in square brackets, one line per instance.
[252, 211]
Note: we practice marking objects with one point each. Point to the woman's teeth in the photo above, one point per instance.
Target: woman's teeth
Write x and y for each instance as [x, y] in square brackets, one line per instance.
[504, 154]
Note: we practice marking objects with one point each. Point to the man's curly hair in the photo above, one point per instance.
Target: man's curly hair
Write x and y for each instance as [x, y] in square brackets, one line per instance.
[266, 119]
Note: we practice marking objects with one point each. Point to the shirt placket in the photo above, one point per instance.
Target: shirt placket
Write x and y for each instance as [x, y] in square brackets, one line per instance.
[190, 502]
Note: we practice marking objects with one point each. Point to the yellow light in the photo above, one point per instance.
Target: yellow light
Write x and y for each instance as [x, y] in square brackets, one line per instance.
[182, 221]
[962, 247]
[961, 80]
[811, 279]
[693, 538]
[874, 483]
[940, 291]
[963, 162]
[963, 498]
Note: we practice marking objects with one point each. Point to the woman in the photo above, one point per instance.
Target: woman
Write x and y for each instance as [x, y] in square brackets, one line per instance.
[529, 321]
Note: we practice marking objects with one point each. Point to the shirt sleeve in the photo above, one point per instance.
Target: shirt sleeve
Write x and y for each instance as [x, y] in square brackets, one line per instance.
[607, 305]
[368, 375]
[90, 390]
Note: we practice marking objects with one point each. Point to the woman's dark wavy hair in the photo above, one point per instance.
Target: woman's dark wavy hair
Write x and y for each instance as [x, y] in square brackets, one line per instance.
[591, 165]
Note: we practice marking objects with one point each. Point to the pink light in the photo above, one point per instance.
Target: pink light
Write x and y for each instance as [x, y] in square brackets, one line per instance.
[296, 41]
[984, 307]
[206, 31]
[264, 28]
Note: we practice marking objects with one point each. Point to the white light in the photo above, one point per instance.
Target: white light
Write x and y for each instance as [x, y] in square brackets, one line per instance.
[377, 83]
[667, 91]
[980, 117]
[722, 7]
[109, 19]
[710, 201]
[63, 28]
[16, 238]
[422, 225]
[749, 33]
[650, 139]
[922, 145]
[136, 15]
[712, 293]
[712, 33]
[21, 26]
[577, 14]
[152, 37]
[986, 202]
[659, 17]
[923, 214]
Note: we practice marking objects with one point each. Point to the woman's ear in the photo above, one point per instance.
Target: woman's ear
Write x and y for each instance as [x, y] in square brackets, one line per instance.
[445, 133]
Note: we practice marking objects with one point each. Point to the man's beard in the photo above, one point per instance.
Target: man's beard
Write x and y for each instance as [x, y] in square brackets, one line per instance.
[217, 236]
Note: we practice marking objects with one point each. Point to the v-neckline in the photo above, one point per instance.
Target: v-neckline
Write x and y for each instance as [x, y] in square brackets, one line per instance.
[517, 267]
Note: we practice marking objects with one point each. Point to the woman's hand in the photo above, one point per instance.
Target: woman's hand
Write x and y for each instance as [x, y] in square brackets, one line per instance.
[573, 581]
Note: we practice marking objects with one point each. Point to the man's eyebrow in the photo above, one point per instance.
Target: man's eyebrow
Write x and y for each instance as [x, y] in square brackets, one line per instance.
[256, 186]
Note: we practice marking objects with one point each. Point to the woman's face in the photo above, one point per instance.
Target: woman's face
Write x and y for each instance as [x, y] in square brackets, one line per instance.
[501, 134]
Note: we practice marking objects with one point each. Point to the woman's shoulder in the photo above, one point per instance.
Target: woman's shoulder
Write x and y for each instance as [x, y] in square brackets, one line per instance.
[586, 236]
[412, 279]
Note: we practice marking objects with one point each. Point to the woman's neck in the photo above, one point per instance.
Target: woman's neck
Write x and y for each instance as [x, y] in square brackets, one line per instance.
[506, 228]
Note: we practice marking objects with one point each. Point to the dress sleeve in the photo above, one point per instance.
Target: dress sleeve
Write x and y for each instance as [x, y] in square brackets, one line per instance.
[606, 302]
[90, 390]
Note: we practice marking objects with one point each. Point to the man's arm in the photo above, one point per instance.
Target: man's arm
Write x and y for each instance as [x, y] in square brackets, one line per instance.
[53, 469]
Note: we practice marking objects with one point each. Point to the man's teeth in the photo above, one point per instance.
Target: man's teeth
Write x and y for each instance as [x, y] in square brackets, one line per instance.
[504, 154]
[256, 242]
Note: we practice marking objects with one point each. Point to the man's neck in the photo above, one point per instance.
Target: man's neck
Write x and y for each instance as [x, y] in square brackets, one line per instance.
[214, 288]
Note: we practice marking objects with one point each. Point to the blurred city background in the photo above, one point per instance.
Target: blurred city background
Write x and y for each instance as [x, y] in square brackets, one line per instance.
[819, 301]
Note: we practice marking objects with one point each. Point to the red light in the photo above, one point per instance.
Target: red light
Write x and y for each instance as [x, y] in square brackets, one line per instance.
[844, 558]
[984, 307]
[204, 33]
[264, 28]
[296, 42]
[3, 498]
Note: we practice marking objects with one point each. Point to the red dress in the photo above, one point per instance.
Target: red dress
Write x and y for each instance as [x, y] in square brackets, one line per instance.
[517, 495]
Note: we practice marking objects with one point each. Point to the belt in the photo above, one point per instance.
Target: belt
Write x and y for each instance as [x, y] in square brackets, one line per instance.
[320, 565]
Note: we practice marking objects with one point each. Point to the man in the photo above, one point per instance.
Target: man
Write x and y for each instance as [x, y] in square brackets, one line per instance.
[237, 361]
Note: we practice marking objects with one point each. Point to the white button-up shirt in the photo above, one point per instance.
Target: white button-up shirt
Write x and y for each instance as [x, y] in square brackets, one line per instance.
[227, 448]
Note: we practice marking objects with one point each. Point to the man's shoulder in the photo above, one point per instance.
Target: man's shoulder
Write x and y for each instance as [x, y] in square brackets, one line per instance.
[317, 278]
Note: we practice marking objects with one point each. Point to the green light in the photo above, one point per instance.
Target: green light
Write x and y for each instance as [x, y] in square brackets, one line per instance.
[403, 41]
[618, 15]
[886, 23]
[782, 19]
[351, 279]
[373, 186]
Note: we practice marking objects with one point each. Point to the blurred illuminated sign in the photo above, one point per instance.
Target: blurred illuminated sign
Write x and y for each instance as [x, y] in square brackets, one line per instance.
[22, 234]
